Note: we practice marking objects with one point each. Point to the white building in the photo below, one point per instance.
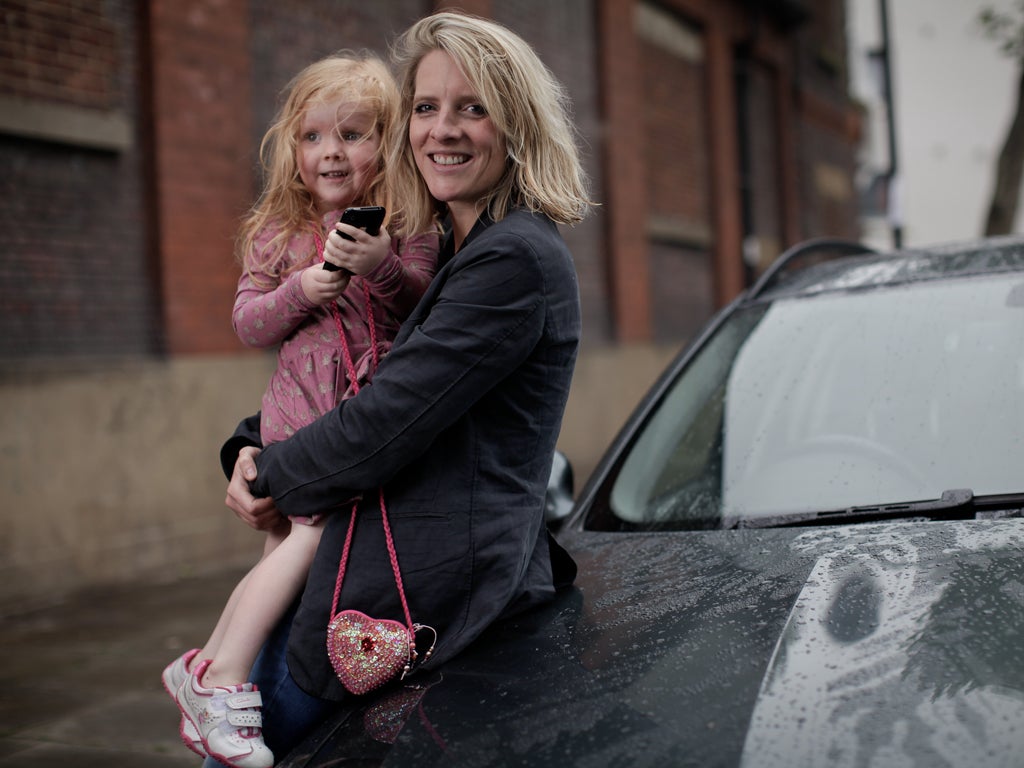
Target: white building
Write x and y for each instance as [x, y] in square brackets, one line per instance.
[954, 94]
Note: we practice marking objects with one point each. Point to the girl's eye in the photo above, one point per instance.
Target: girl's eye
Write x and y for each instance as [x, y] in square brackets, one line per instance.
[351, 136]
[311, 136]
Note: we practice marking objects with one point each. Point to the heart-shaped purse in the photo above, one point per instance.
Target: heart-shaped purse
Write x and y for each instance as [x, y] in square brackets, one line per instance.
[366, 652]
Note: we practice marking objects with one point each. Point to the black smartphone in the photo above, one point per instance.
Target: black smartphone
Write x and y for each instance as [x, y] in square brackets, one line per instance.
[366, 217]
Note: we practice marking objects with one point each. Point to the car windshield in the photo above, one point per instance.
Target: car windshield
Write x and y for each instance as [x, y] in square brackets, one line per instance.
[832, 401]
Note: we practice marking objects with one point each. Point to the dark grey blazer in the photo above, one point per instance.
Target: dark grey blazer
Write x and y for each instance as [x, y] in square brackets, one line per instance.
[459, 426]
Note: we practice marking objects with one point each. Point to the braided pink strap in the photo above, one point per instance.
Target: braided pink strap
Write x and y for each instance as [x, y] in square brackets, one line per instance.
[351, 371]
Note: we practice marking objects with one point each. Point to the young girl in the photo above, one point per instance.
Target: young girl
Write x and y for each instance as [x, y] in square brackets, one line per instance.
[322, 154]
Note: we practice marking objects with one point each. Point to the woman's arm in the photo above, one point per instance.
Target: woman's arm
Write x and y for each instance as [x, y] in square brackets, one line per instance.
[486, 320]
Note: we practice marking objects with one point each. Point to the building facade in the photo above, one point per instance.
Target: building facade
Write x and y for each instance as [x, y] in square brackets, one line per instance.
[716, 133]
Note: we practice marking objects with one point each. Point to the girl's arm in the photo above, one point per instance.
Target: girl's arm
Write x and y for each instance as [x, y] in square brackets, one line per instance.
[263, 316]
[401, 279]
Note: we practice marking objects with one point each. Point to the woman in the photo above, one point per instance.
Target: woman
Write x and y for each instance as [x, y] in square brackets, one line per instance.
[460, 422]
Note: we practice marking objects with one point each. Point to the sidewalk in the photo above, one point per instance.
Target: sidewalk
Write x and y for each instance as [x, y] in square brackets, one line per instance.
[81, 682]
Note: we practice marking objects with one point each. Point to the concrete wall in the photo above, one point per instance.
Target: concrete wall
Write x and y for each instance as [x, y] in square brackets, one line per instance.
[111, 474]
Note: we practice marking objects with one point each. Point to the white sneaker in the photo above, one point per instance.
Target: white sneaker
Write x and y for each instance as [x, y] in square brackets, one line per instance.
[228, 720]
[173, 677]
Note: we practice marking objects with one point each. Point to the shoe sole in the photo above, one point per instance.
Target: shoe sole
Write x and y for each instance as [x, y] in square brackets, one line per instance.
[186, 730]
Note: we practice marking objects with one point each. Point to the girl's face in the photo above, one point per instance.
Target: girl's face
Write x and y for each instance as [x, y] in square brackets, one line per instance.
[457, 147]
[337, 153]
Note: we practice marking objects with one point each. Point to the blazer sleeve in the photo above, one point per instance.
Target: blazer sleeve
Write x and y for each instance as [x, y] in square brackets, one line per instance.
[246, 434]
[485, 317]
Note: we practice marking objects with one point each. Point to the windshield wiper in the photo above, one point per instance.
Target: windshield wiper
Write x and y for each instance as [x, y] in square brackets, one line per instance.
[955, 504]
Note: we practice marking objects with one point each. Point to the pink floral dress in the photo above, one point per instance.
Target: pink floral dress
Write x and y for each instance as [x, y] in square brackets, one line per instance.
[310, 377]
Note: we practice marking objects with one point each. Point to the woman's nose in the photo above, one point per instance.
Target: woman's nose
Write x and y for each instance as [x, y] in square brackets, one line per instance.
[445, 126]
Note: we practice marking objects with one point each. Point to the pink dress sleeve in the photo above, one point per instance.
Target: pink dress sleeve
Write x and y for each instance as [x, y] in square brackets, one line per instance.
[267, 309]
[401, 279]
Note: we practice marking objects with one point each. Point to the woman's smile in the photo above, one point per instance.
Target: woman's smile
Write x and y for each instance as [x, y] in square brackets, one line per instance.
[449, 159]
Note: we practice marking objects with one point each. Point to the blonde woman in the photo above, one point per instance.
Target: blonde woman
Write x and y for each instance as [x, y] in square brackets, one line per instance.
[460, 424]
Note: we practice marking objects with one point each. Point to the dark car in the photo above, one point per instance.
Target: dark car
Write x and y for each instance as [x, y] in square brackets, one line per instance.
[805, 548]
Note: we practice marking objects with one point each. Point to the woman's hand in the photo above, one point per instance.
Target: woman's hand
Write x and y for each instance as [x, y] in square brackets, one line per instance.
[260, 514]
[361, 254]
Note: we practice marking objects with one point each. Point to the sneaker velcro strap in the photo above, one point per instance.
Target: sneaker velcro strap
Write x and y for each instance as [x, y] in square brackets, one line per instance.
[244, 700]
[245, 719]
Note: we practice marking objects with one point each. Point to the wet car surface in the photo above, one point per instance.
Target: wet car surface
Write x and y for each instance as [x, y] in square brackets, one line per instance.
[757, 587]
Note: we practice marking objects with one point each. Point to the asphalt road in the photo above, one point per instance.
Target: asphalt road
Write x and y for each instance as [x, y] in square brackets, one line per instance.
[80, 682]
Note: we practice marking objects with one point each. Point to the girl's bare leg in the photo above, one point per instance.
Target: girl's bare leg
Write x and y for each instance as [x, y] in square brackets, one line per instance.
[209, 651]
[268, 591]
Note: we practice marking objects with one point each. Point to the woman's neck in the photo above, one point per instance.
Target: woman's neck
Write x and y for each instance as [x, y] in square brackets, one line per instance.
[463, 218]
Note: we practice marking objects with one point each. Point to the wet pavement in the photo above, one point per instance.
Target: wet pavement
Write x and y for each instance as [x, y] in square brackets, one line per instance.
[80, 682]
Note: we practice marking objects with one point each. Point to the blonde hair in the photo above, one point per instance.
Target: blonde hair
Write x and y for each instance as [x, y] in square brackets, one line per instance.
[527, 105]
[286, 207]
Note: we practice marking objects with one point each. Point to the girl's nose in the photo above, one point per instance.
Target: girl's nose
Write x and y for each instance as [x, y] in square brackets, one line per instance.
[333, 146]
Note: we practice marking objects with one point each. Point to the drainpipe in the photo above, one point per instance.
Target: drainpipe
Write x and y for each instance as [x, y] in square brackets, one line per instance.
[892, 175]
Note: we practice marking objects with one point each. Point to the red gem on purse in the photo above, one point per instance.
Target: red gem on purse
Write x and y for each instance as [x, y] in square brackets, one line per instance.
[367, 652]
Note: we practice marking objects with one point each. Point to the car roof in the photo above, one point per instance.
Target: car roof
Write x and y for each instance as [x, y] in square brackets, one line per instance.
[827, 265]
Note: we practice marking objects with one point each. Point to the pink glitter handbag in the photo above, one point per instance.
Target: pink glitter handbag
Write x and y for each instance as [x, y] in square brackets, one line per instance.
[367, 652]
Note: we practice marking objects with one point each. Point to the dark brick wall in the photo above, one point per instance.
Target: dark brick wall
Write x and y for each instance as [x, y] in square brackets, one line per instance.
[219, 70]
[128, 250]
[676, 167]
[76, 281]
[762, 174]
[199, 57]
[69, 53]
[674, 128]
[289, 34]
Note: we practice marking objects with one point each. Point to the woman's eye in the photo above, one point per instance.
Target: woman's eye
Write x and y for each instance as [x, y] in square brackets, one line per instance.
[476, 109]
[422, 108]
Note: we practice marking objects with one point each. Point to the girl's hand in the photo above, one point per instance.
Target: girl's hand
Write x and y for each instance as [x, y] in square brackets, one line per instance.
[361, 254]
[322, 285]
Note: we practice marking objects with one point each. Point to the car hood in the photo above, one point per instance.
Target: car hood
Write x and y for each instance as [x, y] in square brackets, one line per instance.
[888, 644]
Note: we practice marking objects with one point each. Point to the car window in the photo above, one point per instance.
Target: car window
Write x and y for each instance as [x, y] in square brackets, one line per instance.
[673, 472]
[836, 400]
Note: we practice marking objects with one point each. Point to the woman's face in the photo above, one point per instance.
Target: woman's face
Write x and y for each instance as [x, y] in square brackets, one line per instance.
[337, 153]
[457, 148]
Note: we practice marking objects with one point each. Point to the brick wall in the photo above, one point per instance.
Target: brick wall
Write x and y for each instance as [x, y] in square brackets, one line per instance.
[625, 189]
[674, 133]
[763, 172]
[70, 53]
[123, 173]
[124, 246]
[218, 73]
[75, 281]
[199, 58]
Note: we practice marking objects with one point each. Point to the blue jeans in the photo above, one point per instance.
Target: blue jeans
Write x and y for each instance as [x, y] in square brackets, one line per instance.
[289, 713]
